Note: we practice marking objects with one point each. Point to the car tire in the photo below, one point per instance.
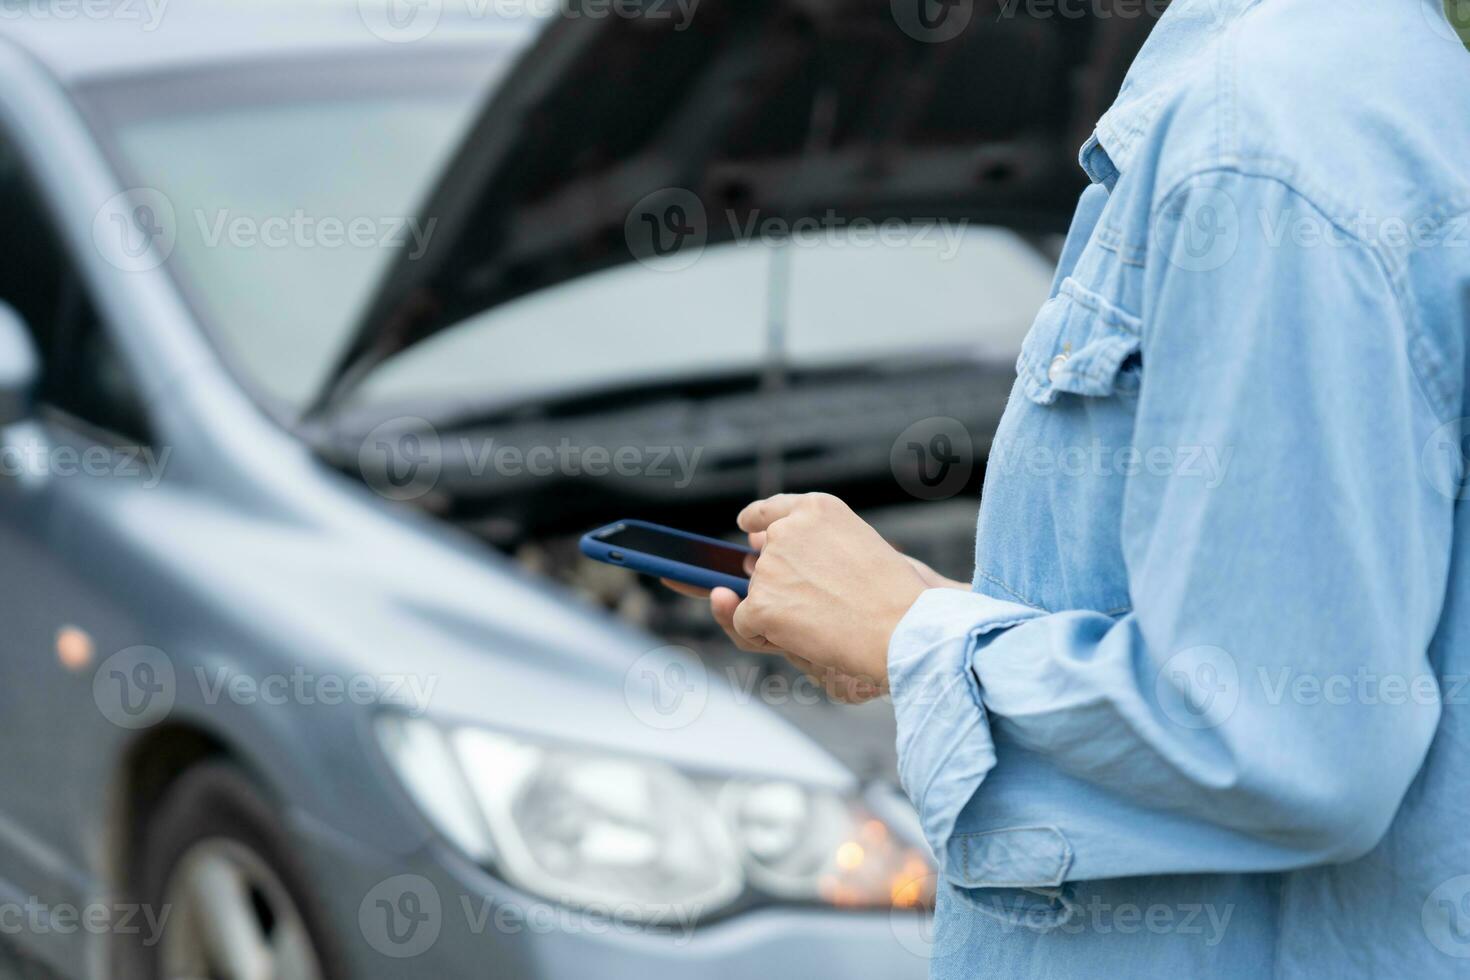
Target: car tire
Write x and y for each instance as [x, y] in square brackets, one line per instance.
[214, 820]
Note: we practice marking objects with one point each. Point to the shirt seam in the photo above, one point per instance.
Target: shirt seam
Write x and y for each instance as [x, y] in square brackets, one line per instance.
[1011, 592]
[1428, 377]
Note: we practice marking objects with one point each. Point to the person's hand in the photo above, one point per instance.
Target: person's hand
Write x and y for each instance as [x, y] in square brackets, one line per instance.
[934, 580]
[835, 678]
[826, 587]
[840, 687]
[722, 603]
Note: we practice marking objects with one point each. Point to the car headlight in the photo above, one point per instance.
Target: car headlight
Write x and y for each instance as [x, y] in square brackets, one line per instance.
[638, 839]
[805, 844]
[634, 838]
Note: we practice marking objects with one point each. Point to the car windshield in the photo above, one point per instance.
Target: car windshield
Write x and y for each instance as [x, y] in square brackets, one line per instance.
[292, 191]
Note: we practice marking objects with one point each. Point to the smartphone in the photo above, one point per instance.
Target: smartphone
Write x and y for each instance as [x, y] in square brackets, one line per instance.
[667, 553]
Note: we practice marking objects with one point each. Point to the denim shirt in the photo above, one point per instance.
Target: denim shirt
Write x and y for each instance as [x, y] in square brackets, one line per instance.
[1204, 711]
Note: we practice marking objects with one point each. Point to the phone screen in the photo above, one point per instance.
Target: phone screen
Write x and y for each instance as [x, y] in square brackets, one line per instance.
[715, 557]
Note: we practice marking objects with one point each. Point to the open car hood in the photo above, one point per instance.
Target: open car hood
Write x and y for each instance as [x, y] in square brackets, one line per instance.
[614, 129]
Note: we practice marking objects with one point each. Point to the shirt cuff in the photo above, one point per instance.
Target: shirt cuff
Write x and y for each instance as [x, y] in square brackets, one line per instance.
[945, 748]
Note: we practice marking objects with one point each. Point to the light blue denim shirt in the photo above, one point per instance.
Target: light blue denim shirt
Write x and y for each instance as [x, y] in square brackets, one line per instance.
[1204, 713]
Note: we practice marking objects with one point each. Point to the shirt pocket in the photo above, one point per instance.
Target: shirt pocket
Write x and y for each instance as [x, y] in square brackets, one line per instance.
[1049, 532]
[1080, 344]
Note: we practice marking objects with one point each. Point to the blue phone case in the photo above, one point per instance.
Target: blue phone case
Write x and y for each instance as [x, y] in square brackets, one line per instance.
[648, 564]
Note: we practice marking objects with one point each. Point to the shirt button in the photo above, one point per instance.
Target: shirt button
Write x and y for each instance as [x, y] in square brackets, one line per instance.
[1057, 364]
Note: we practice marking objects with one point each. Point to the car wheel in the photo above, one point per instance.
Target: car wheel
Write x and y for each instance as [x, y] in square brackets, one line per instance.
[216, 860]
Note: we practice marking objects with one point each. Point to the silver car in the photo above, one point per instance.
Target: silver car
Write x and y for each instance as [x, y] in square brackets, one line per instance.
[324, 333]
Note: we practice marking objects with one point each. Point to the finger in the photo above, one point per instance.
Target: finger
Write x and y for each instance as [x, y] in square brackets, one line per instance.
[758, 540]
[812, 671]
[753, 645]
[847, 688]
[850, 690]
[839, 687]
[743, 622]
[804, 665]
[808, 670]
[831, 682]
[683, 588]
[723, 604]
[750, 561]
[763, 513]
[859, 690]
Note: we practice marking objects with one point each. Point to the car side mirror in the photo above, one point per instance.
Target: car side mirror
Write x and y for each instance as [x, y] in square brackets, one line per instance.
[20, 368]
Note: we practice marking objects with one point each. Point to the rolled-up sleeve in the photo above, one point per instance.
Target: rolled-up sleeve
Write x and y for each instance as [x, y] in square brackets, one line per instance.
[944, 744]
[1268, 700]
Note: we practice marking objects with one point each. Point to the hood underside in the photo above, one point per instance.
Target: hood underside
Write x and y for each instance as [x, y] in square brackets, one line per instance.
[613, 129]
